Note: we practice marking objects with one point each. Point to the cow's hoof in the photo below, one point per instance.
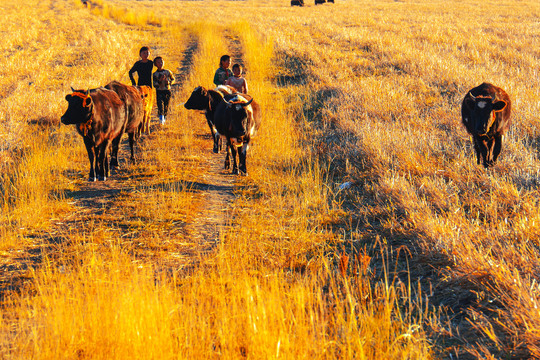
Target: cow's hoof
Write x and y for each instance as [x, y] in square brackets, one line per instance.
[235, 171]
[91, 179]
[227, 166]
[102, 178]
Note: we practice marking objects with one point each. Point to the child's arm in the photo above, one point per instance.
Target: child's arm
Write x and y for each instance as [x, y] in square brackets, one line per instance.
[216, 78]
[171, 77]
[245, 87]
[156, 80]
[131, 71]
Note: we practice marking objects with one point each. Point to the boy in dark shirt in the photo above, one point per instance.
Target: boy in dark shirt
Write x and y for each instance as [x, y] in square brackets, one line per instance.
[143, 68]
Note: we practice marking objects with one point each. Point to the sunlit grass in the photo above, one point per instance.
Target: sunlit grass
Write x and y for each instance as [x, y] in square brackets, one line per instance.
[367, 92]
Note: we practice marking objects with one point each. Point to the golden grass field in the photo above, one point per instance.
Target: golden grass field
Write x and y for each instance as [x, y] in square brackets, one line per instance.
[426, 256]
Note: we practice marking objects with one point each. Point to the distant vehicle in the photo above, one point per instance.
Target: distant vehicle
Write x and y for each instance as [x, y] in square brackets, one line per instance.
[297, 2]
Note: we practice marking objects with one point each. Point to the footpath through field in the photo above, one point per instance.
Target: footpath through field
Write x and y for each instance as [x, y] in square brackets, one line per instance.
[134, 204]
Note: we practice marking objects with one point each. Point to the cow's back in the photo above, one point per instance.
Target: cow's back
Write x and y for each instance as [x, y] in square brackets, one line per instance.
[134, 104]
[109, 114]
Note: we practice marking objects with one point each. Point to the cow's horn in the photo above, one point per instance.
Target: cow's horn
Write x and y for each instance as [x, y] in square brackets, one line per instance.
[471, 95]
[72, 89]
[246, 104]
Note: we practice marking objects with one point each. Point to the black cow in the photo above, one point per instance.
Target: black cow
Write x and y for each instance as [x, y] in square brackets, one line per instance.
[100, 117]
[207, 101]
[237, 119]
[485, 113]
[134, 106]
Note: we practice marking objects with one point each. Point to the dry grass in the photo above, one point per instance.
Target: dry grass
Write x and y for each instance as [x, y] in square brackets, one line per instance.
[428, 255]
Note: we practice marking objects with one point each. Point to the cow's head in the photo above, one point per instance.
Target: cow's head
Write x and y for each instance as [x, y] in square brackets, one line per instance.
[483, 109]
[199, 99]
[238, 113]
[79, 109]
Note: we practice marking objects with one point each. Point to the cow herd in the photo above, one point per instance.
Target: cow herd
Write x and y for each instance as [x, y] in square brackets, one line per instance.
[301, 2]
[103, 115]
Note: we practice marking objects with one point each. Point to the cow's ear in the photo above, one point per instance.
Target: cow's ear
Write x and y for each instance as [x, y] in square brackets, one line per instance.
[469, 102]
[67, 97]
[499, 105]
[87, 101]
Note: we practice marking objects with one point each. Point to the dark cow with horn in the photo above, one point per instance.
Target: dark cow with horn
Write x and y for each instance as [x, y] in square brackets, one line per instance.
[134, 106]
[237, 119]
[99, 116]
[485, 112]
[207, 101]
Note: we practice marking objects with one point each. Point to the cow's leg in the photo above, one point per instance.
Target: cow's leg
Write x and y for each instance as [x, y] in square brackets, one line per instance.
[483, 150]
[101, 157]
[490, 144]
[242, 155]
[132, 145]
[477, 150]
[227, 156]
[91, 157]
[215, 135]
[114, 151]
[106, 162]
[497, 148]
[147, 123]
[233, 155]
[218, 142]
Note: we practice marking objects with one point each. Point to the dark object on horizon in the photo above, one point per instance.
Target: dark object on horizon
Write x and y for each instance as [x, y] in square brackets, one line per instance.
[485, 113]
[297, 2]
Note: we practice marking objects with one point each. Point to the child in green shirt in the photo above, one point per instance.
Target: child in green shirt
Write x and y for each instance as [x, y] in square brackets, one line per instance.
[224, 72]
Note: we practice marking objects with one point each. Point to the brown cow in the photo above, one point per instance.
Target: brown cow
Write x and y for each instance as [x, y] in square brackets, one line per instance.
[133, 100]
[485, 113]
[100, 118]
[149, 98]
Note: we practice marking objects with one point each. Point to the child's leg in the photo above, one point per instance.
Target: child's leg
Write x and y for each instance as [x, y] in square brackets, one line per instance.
[160, 102]
[166, 99]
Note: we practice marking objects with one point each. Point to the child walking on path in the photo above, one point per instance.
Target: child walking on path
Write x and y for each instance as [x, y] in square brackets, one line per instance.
[163, 79]
[223, 73]
[237, 81]
[143, 68]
